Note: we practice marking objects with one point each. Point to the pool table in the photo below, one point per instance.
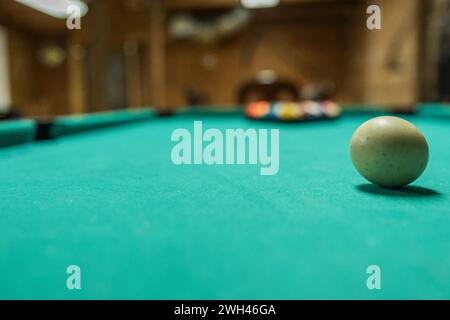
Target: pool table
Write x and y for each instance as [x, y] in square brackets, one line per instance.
[112, 202]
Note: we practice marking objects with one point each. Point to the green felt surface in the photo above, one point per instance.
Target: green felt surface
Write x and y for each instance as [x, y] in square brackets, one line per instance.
[16, 132]
[112, 202]
[76, 124]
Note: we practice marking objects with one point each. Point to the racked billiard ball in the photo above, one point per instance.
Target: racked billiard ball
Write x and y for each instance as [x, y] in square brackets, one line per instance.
[389, 151]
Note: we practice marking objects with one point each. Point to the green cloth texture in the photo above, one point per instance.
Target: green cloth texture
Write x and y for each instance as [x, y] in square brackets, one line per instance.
[80, 123]
[16, 132]
[112, 202]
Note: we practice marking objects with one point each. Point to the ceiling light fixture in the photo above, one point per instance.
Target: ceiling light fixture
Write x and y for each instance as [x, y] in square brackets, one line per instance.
[55, 8]
[254, 4]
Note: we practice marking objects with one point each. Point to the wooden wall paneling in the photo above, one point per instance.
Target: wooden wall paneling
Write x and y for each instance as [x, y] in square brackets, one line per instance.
[157, 53]
[433, 13]
[5, 79]
[76, 54]
[24, 93]
[98, 42]
[298, 48]
[133, 73]
[355, 56]
[392, 53]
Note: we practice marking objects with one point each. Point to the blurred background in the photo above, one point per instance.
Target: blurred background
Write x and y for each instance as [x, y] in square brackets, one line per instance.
[173, 53]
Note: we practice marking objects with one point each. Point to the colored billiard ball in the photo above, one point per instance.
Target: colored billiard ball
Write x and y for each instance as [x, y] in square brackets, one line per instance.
[258, 110]
[389, 151]
[288, 111]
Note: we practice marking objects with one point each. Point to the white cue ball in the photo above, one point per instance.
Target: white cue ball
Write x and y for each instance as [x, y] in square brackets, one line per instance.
[389, 151]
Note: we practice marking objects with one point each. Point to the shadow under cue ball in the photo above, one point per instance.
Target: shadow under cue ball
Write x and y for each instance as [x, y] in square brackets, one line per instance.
[389, 151]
